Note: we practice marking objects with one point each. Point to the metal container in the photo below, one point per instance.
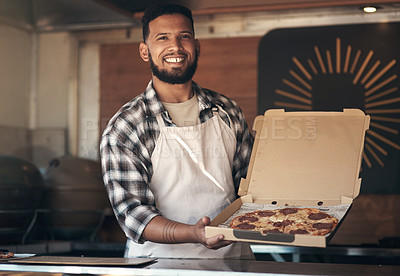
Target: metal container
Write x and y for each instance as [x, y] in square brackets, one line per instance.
[21, 190]
[76, 197]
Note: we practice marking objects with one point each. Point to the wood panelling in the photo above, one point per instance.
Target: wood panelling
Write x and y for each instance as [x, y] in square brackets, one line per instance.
[123, 76]
[228, 66]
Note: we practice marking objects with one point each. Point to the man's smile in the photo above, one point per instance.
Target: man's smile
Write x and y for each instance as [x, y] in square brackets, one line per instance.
[174, 59]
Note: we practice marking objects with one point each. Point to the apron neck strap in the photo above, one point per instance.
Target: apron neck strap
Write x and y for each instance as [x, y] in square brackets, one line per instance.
[160, 120]
[217, 108]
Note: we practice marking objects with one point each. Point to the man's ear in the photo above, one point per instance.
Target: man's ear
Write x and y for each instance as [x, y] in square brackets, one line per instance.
[144, 51]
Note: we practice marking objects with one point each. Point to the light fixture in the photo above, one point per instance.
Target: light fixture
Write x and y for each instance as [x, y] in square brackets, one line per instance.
[370, 9]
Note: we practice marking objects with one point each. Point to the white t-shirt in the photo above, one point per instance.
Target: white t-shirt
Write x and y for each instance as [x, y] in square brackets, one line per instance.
[185, 113]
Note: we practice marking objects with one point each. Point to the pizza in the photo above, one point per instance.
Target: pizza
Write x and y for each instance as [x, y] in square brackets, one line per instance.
[307, 221]
[5, 254]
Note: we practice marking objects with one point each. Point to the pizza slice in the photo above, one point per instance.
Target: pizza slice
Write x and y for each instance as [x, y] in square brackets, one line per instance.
[5, 254]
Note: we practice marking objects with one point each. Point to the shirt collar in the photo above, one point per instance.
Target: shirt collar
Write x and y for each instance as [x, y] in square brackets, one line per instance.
[152, 103]
[155, 106]
[205, 101]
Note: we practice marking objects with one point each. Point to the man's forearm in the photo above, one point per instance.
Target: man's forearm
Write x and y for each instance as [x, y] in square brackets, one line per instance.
[162, 230]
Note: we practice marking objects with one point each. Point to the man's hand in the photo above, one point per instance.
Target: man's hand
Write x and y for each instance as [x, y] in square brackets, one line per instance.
[211, 243]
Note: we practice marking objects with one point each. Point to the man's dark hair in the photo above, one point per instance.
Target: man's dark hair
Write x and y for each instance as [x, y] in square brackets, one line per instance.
[155, 11]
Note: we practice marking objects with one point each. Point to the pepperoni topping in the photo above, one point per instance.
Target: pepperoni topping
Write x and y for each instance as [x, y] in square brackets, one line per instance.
[317, 216]
[283, 223]
[246, 226]
[298, 231]
[278, 224]
[271, 231]
[288, 211]
[287, 222]
[249, 218]
[323, 225]
[265, 213]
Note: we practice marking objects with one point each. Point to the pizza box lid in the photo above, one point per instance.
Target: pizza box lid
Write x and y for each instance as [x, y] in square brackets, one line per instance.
[307, 156]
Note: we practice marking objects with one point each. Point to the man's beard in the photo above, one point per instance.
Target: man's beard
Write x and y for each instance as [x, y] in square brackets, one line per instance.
[177, 76]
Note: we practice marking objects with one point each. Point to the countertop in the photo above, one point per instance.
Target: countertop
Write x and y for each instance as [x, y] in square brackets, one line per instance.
[203, 267]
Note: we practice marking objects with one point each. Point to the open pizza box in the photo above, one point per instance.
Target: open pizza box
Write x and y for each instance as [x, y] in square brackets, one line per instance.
[299, 159]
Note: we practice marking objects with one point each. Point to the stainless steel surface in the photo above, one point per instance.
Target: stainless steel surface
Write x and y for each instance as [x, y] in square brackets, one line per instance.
[213, 267]
[66, 247]
[220, 267]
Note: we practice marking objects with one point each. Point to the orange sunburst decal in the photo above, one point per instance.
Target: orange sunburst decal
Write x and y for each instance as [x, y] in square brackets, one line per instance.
[373, 87]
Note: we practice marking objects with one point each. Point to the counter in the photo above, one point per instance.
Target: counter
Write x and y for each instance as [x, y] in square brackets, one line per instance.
[166, 267]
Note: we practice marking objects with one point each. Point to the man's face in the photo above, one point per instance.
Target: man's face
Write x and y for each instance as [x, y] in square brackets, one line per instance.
[171, 48]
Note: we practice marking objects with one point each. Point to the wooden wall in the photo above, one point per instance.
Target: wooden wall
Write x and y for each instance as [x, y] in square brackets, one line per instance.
[123, 76]
[227, 65]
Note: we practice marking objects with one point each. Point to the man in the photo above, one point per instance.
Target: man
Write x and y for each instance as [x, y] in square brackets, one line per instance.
[173, 157]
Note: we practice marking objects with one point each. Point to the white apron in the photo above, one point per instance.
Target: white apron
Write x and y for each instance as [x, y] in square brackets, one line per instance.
[192, 178]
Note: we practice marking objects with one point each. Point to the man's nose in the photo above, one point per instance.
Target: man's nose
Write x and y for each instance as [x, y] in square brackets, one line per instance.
[176, 44]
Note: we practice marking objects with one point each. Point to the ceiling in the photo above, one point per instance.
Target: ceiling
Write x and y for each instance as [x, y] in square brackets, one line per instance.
[54, 15]
[203, 6]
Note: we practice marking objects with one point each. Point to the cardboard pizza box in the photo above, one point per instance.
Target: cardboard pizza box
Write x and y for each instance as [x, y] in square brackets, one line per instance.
[304, 159]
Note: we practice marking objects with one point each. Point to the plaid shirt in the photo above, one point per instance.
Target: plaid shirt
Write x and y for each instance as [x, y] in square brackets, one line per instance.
[127, 145]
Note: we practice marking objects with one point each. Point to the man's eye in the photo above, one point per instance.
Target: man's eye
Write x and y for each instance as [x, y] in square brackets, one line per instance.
[162, 38]
[185, 36]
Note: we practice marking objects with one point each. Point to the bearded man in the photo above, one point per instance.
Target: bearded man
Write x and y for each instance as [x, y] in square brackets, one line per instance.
[173, 157]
